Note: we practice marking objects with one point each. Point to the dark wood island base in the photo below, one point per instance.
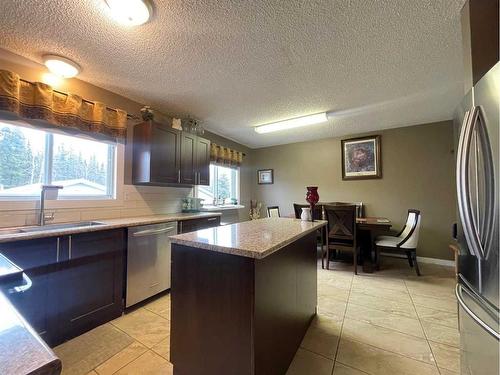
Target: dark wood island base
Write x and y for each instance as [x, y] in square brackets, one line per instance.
[239, 315]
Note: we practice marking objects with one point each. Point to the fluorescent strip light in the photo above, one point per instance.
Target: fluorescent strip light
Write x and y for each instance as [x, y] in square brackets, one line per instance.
[292, 123]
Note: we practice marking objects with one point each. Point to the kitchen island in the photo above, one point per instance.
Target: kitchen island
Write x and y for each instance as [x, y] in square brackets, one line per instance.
[242, 296]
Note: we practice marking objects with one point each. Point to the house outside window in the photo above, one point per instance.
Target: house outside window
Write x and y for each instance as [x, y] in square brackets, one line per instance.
[29, 158]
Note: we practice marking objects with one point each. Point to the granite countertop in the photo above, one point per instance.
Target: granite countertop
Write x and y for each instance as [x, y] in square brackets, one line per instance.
[253, 239]
[106, 224]
[21, 349]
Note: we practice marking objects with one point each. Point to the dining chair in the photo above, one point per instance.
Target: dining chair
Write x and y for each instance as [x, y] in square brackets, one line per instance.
[341, 231]
[359, 207]
[317, 215]
[273, 211]
[406, 241]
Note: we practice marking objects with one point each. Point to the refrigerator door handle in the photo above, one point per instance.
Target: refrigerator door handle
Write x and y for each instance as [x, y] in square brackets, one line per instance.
[486, 215]
[463, 187]
[486, 327]
[474, 128]
[462, 180]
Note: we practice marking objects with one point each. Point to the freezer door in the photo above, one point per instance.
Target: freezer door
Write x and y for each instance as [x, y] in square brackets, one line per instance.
[477, 191]
[479, 337]
[487, 99]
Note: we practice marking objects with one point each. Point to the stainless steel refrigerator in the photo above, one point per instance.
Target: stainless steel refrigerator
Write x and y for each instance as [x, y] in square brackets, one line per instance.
[477, 124]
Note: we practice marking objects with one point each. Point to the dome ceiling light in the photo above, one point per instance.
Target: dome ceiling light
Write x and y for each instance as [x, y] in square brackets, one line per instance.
[61, 66]
[130, 12]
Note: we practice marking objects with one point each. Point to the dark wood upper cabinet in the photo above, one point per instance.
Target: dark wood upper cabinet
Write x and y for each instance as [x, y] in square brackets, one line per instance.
[188, 159]
[480, 36]
[156, 154]
[166, 156]
[203, 161]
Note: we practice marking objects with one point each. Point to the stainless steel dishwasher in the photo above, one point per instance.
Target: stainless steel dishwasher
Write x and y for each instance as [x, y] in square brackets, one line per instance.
[148, 261]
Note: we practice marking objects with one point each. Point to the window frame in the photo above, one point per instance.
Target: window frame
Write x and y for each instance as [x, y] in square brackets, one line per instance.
[48, 158]
[235, 182]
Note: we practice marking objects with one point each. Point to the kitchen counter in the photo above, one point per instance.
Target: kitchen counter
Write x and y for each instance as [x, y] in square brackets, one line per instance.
[106, 224]
[243, 296]
[254, 239]
[21, 349]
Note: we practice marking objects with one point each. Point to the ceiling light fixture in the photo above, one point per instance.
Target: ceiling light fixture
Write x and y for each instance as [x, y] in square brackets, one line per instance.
[292, 123]
[51, 79]
[61, 66]
[130, 12]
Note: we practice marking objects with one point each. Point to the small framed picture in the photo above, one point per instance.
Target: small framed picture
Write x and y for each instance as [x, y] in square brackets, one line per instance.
[265, 176]
[361, 158]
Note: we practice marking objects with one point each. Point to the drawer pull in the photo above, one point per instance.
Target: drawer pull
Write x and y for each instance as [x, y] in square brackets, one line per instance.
[70, 247]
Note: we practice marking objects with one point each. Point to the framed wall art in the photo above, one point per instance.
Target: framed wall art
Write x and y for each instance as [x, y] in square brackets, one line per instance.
[361, 158]
[265, 176]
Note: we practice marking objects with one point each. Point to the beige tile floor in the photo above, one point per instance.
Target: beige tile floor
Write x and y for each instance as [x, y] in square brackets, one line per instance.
[390, 322]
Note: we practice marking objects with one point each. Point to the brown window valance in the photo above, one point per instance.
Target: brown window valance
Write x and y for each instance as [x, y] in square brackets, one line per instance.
[38, 101]
[225, 156]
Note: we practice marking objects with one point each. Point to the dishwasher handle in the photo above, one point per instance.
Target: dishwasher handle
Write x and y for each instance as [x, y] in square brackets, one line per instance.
[152, 232]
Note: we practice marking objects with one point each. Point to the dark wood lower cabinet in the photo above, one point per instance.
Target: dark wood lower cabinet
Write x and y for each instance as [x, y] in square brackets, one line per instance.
[77, 282]
[90, 291]
[38, 258]
[238, 315]
[186, 226]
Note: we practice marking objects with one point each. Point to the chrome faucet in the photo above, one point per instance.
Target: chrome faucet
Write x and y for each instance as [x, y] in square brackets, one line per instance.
[47, 188]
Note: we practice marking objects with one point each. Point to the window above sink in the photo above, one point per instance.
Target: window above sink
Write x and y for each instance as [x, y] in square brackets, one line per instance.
[29, 158]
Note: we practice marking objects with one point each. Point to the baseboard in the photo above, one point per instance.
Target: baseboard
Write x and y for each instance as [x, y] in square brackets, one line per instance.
[441, 262]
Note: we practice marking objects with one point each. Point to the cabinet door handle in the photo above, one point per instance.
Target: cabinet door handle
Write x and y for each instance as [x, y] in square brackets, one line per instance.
[58, 248]
[180, 227]
[212, 219]
[179, 176]
[70, 247]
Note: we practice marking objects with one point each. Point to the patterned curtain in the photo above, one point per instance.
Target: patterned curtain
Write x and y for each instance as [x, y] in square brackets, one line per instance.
[38, 101]
[225, 156]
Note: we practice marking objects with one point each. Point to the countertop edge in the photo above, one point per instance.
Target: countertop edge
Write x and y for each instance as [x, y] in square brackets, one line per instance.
[46, 362]
[244, 252]
[123, 223]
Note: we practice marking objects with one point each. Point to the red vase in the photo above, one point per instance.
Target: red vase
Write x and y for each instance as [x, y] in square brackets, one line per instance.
[312, 197]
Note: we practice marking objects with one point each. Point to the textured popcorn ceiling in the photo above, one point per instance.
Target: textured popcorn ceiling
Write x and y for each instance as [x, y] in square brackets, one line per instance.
[236, 64]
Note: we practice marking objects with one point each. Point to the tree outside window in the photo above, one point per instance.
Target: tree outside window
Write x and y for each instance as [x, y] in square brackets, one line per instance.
[29, 158]
[224, 185]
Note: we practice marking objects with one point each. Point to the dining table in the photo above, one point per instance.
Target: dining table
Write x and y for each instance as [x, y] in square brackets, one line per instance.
[368, 228]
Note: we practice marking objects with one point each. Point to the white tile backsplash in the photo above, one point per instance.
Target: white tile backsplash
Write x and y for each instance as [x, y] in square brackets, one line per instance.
[136, 201]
